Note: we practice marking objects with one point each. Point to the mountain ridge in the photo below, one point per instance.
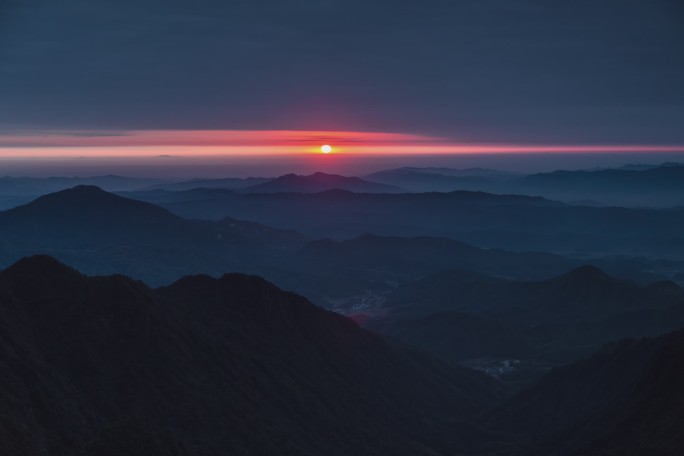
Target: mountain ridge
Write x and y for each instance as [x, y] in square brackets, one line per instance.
[318, 182]
[112, 364]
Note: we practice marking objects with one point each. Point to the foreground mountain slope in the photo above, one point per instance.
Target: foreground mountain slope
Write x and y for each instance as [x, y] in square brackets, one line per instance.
[624, 400]
[105, 365]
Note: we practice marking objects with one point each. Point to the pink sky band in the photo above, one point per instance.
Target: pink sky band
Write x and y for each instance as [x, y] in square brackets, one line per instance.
[267, 142]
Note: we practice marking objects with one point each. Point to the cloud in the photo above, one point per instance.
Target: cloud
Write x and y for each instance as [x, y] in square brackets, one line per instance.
[208, 138]
[495, 70]
[254, 143]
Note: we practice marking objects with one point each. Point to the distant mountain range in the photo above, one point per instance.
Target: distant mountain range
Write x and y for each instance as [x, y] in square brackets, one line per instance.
[228, 183]
[440, 179]
[105, 365]
[102, 233]
[35, 186]
[15, 191]
[631, 185]
[319, 182]
[511, 222]
[19, 190]
[661, 186]
[288, 183]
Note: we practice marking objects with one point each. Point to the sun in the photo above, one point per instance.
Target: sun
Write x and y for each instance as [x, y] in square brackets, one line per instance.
[326, 149]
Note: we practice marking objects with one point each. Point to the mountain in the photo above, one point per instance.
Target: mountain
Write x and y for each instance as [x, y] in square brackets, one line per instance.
[442, 171]
[432, 179]
[644, 166]
[630, 185]
[344, 214]
[320, 182]
[20, 190]
[455, 335]
[381, 263]
[557, 319]
[39, 186]
[658, 186]
[419, 256]
[228, 183]
[104, 233]
[355, 275]
[511, 222]
[105, 365]
[624, 400]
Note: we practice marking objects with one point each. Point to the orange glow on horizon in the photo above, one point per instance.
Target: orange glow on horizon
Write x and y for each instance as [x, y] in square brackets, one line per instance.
[188, 143]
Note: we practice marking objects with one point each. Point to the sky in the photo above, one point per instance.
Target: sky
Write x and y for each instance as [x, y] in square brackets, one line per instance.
[270, 77]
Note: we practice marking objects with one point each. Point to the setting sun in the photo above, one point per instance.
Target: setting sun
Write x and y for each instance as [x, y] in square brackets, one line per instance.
[326, 149]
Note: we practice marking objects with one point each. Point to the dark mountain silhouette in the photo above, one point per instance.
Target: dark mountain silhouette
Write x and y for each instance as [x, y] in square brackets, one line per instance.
[460, 290]
[319, 182]
[561, 318]
[626, 400]
[104, 233]
[456, 335]
[106, 365]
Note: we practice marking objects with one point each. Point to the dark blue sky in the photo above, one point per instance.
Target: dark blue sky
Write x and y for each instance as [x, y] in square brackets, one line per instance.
[602, 71]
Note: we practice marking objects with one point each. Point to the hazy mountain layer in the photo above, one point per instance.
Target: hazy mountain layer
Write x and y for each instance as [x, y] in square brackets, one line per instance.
[632, 185]
[511, 222]
[104, 233]
[319, 182]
